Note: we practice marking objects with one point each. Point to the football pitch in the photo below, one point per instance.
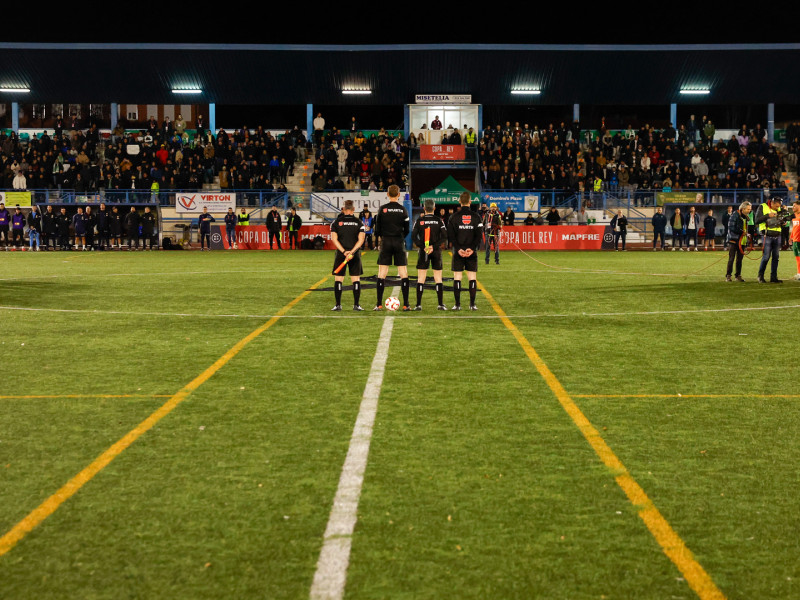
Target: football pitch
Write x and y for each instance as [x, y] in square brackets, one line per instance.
[606, 425]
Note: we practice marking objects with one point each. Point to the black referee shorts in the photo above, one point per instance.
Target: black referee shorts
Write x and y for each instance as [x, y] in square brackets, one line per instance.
[393, 249]
[469, 263]
[353, 267]
[430, 261]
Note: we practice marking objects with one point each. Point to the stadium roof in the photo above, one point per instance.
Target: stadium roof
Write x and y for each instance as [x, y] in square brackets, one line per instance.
[261, 74]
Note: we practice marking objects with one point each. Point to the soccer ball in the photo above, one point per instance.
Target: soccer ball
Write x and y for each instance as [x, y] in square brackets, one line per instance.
[392, 303]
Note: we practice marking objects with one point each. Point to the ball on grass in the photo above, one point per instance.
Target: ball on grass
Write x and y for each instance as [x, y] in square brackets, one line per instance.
[392, 303]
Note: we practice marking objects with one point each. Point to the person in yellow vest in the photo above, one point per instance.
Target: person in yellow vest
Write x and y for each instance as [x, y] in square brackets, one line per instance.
[769, 226]
[470, 138]
[243, 218]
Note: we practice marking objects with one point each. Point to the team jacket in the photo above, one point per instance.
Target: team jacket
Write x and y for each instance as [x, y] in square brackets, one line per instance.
[437, 235]
[392, 221]
[465, 229]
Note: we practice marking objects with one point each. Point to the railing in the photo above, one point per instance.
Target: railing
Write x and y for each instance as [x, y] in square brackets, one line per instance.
[322, 208]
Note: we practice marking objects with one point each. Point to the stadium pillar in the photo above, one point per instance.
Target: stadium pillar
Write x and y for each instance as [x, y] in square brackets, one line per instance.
[310, 122]
[576, 112]
[673, 115]
[212, 118]
[406, 120]
[15, 116]
[480, 119]
[114, 111]
[771, 122]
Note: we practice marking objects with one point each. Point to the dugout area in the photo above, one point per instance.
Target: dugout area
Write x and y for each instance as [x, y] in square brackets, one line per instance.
[478, 484]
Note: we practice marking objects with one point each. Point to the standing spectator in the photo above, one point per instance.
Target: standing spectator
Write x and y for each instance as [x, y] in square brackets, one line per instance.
[148, 222]
[659, 223]
[35, 228]
[509, 217]
[709, 130]
[692, 225]
[91, 221]
[18, 227]
[62, 223]
[79, 226]
[710, 227]
[49, 227]
[293, 224]
[319, 127]
[619, 224]
[770, 228]
[553, 217]
[230, 228]
[204, 220]
[115, 227]
[132, 228]
[103, 225]
[369, 221]
[436, 124]
[677, 222]
[274, 226]
[5, 222]
[725, 219]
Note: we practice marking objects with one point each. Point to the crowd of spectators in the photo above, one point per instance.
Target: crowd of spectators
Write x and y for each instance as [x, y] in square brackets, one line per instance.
[565, 157]
[350, 160]
[161, 157]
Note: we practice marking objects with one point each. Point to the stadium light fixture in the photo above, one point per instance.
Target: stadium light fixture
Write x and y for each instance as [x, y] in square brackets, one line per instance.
[696, 92]
[187, 91]
[527, 92]
[14, 90]
[357, 92]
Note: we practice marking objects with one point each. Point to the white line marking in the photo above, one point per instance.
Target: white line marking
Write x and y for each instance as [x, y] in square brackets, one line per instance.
[334, 558]
[405, 316]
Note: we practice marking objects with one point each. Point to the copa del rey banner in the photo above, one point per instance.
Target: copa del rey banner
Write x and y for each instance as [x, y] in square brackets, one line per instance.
[256, 237]
[566, 237]
[441, 152]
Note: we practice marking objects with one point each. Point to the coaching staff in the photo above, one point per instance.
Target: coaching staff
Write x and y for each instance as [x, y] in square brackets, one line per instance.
[429, 235]
[465, 231]
[391, 227]
[347, 234]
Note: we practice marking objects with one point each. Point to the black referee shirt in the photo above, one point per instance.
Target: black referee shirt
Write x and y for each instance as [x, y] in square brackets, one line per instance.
[347, 228]
[438, 232]
[392, 221]
[465, 229]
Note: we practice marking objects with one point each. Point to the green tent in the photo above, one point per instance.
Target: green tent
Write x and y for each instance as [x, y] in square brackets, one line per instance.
[447, 192]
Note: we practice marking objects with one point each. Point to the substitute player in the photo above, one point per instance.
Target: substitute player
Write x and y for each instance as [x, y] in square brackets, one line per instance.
[347, 234]
[391, 228]
[465, 231]
[795, 236]
[429, 234]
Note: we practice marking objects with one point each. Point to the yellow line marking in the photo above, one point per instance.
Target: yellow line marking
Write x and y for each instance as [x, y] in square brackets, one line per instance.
[49, 506]
[686, 395]
[670, 542]
[87, 396]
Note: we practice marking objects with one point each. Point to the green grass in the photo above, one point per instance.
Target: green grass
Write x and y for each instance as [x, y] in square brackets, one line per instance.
[478, 484]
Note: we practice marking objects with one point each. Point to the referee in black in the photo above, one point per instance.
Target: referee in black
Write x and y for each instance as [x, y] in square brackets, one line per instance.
[391, 228]
[430, 251]
[465, 230]
[347, 234]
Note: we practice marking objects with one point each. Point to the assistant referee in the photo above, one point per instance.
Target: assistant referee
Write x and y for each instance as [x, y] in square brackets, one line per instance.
[429, 234]
[347, 234]
[465, 230]
[391, 227]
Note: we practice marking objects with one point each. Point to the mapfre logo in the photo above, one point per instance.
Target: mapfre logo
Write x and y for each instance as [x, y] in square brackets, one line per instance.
[187, 202]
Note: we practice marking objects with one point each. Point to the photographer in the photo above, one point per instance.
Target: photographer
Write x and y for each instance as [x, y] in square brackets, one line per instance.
[737, 229]
[769, 223]
[795, 236]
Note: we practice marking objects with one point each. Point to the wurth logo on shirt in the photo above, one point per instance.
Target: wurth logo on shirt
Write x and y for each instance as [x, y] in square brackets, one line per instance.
[466, 219]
